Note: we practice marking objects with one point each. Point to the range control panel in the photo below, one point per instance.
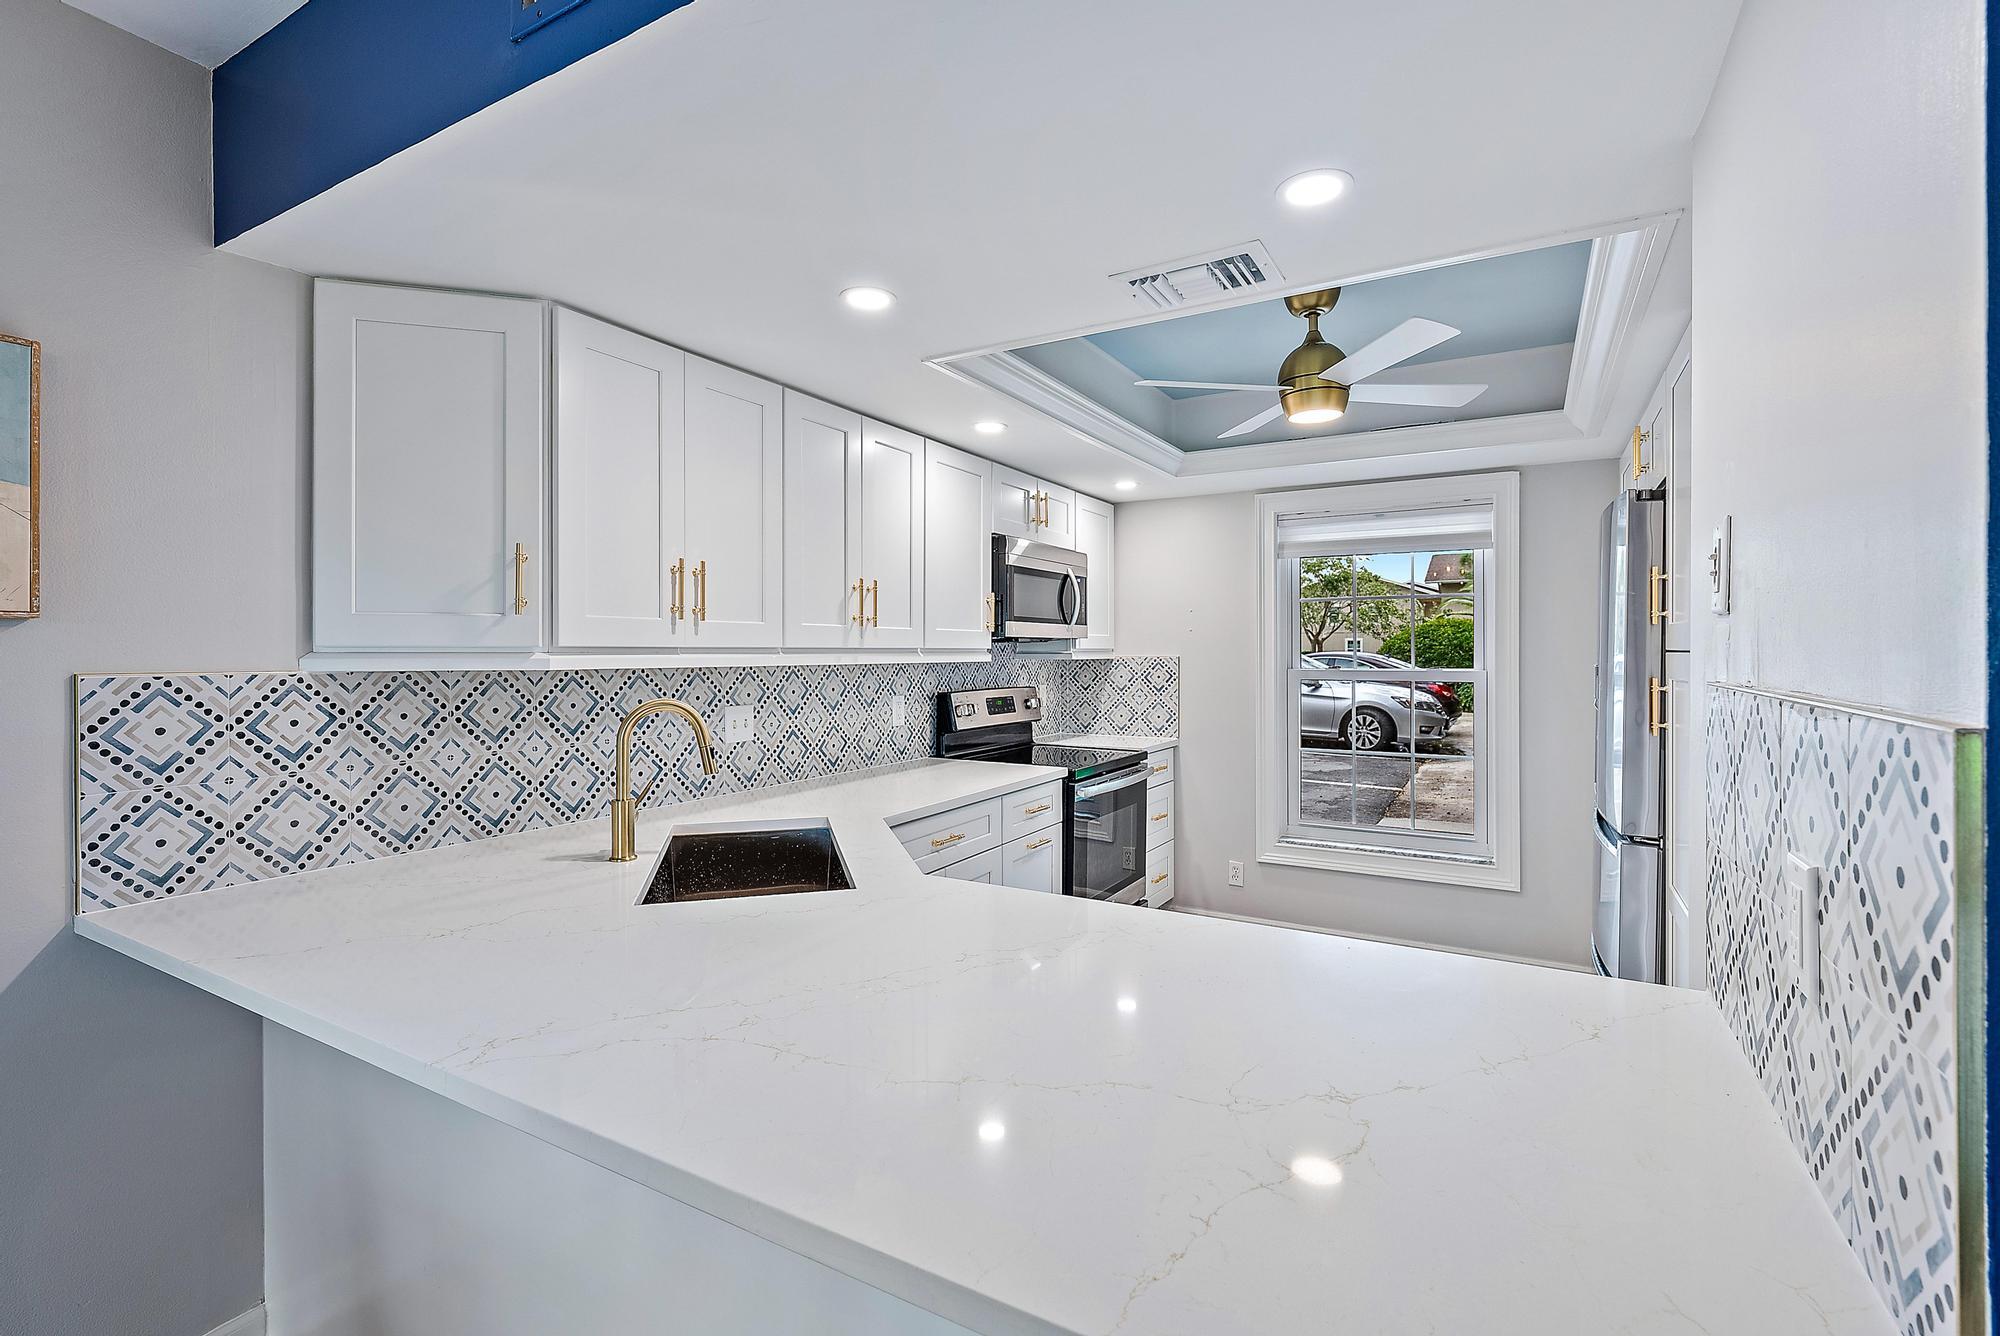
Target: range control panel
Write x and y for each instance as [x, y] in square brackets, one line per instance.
[992, 705]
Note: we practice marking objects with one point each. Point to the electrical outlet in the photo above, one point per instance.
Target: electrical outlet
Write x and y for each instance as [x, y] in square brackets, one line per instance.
[1802, 880]
[899, 711]
[1235, 873]
[739, 724]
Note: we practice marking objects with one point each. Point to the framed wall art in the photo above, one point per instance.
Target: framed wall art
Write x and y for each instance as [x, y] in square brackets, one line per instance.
[20, 477]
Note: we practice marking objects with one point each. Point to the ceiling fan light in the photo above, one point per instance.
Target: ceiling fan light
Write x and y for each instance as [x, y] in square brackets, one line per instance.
[1312, 417]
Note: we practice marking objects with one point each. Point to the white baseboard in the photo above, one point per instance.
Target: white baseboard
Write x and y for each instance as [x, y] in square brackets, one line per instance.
[1391, 941]
[243, 1324]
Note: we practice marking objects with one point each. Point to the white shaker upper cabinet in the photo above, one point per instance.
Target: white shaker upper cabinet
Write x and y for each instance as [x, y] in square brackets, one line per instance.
[825, 599]
[619, 458]
[958, 564]
[1093, 539]
[428, 434]
[1025, 507]
[734, 503]
[892, 537]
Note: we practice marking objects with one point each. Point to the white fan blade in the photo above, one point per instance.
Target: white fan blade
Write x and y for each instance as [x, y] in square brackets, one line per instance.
[1433, 396]
[1204, 385]
[1398, 345]
[1242, 428]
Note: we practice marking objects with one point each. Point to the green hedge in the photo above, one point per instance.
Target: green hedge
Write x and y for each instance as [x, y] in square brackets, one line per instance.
[1442, 642]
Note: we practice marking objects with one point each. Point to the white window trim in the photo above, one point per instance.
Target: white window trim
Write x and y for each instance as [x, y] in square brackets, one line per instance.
[1503, 667]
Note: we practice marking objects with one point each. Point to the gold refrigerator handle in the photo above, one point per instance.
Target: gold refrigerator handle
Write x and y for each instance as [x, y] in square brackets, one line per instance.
[1656, 706]
[1656, 596]
[520, 578]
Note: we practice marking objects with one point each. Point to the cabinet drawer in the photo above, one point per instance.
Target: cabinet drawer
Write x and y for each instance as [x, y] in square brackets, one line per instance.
[934, 841]
[1031, 809]
[983, 867]
[1159, 815]
[1033, 862]
[1161, 766]
[1160, 875]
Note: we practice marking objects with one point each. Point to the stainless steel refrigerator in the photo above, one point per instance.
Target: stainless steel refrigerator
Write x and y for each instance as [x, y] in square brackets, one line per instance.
[1630, 931]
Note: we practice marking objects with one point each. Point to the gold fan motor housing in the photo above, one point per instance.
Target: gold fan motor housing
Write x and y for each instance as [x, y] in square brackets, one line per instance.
[1303, 388]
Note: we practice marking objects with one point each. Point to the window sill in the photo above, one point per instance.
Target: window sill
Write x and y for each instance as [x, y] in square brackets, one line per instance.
[1473, 874]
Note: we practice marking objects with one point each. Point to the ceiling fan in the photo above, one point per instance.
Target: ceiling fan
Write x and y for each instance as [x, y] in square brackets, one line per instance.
[1318, 380]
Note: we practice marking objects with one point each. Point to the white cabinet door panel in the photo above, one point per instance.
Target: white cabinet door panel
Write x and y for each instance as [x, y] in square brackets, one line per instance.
[735, 509]
[1015, 497]
[1093, 539]
[958, 567]
[618, 463]
[982, 867]
[892, 536]
[1058, 527]
[1160, 874]
[428, 434]
[1033, 863]
[822, 529]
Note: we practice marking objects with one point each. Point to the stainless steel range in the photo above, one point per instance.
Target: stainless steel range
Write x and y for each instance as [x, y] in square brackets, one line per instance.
[1104, 791]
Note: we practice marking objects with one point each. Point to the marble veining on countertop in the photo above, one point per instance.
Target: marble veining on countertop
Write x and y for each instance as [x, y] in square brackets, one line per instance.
[1032, 1113]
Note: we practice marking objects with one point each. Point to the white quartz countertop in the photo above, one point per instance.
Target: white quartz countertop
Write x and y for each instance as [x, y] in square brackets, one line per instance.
[1479, 1146]
[1111, 741]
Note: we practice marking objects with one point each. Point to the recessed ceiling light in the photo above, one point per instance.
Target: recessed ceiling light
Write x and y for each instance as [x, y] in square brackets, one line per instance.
[1125, 484]
[992, 1130]
[868, 299]
[1316, 1170]
[1309, 190]
[1128, 1005]
[989, 428]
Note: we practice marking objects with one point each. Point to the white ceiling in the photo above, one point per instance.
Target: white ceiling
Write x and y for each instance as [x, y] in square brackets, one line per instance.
[207, 32]
[716, 178]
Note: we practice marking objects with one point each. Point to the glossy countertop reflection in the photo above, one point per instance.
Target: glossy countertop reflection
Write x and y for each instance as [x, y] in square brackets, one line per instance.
[1031, 1113]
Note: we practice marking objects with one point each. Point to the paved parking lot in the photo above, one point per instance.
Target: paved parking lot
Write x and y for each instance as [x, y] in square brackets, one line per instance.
[1377, 783]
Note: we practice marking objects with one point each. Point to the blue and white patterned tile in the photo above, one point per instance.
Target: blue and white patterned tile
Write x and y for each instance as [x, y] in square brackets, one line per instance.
[143, 732]
[287, 720]
[402, 812]
[145, 843]
[294, 828]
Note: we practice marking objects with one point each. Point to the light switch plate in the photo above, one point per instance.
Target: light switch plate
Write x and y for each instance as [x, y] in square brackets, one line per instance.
[1802, 880]
[739, 724]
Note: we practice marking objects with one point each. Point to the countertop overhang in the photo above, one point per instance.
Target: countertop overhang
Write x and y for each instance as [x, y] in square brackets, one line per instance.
[1208, 1126]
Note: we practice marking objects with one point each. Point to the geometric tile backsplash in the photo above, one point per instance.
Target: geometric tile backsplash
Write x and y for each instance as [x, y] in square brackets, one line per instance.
[1864, 1073]
[189, 781]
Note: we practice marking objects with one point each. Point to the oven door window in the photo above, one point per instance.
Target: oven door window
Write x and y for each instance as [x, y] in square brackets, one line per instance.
[1108, 836]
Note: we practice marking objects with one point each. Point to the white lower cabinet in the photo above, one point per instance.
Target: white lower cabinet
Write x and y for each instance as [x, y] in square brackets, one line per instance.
[982, 867]
[1160, 823]
[1159, 875]
[1033, 862]
[1013, 840]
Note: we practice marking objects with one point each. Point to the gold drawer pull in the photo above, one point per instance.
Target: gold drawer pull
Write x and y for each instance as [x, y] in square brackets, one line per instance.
[953, 838]
[1157, 880]
[1161, 816]
[1037, 809]
[1038, 844]
[520, 578]
[1161, 769]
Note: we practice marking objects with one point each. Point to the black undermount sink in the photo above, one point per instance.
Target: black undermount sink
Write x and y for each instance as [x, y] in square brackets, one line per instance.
[726, 860]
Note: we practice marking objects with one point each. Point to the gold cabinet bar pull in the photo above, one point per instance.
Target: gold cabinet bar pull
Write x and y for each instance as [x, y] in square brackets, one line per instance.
[1038, 844]
[1161, 816]
[680, 588]
[860, 602]
[1639, 437]
[990, 628]
[1656, 596]
[952, 838]
[1161, 769]
[1037, 809]
[520, 578]
[1656, 709]
[875, 593]
[1157, 880]
[701, 591]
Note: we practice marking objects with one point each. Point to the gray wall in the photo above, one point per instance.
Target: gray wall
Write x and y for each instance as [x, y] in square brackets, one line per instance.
[172, 444]
[1859, 496]
[1186, 582]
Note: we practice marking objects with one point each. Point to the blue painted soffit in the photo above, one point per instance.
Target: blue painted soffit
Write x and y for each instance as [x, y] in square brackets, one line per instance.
[340, 85]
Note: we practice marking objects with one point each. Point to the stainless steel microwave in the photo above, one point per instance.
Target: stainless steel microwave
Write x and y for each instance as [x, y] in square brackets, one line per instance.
[1039, 592]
